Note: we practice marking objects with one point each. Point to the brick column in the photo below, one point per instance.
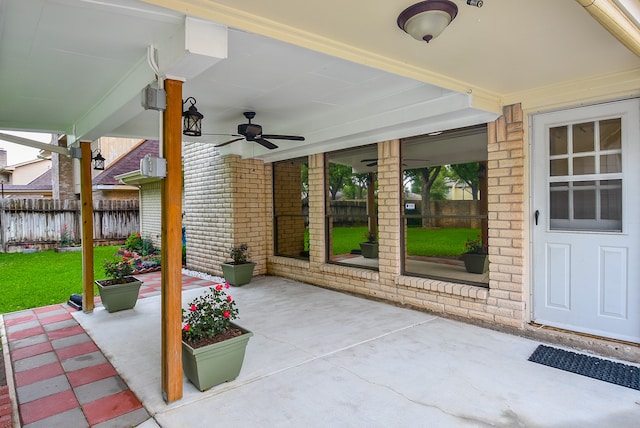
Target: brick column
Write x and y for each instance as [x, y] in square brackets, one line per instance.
[62, 174]
[316, 210]
[505, 172]
[389, 199]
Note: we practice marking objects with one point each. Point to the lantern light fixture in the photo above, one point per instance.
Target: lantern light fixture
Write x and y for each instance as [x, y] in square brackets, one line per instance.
[98, 161]
[191, 119]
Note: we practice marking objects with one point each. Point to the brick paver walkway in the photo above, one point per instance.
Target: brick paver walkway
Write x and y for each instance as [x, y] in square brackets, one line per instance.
[62, 379]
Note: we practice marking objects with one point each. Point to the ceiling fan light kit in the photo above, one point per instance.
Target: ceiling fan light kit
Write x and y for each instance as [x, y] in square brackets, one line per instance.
[427, 19]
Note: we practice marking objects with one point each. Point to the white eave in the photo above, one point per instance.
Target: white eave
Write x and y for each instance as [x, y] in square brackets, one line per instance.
[135, 178]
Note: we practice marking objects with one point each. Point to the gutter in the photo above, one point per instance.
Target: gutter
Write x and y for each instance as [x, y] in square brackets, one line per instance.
[617, 19]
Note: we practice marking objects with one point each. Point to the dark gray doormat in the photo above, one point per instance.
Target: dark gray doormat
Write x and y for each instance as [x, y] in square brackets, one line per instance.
[597, 368]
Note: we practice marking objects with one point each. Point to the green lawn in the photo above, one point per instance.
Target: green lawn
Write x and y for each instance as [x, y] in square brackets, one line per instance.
[44, 278]
[420, 242]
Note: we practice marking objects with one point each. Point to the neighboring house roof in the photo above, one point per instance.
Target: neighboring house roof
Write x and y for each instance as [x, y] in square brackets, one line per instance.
[40, 186]
[42, 180]
[127, 163]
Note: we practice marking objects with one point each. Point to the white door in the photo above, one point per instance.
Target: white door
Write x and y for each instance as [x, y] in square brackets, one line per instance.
[586, 219]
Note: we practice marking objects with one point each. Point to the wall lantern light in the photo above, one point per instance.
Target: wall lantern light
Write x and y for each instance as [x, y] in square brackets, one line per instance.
[191, 119]
[98, 161]
[427, 19]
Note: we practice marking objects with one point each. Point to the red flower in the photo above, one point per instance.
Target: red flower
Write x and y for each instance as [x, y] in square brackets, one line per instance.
[193, 308]
[226, 314]
[186, 327]
[229, 299]
[226, 285]
[219, 287]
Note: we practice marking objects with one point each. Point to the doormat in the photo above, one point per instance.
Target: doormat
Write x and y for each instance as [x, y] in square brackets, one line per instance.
[585, 365]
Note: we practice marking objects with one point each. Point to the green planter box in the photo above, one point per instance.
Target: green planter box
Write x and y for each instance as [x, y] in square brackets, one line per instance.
[119, 297]
[476, 263]
[214, 364]
[238, 275]
[369, 250]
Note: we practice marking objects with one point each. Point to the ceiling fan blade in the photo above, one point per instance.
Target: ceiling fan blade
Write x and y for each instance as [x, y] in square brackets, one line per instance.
[229, 135]
[372, 164]
[369, 160]
[283, 137]
[265, 143]
[229, 142]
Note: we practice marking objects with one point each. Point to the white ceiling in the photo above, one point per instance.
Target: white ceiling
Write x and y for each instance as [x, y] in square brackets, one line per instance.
[78, 66]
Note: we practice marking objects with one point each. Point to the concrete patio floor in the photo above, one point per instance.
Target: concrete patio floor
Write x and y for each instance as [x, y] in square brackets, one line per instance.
[320, 358]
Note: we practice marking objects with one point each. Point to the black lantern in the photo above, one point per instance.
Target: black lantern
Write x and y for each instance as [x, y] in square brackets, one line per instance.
[98, 161]
[191, 119]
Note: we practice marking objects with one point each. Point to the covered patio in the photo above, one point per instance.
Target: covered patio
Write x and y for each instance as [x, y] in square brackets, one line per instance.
[322, 358]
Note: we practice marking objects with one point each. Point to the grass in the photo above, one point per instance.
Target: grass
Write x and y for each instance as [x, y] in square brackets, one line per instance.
[420, 242]
[44, 278]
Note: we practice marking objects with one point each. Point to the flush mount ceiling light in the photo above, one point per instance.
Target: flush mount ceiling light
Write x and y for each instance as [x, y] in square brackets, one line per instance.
[427, 19]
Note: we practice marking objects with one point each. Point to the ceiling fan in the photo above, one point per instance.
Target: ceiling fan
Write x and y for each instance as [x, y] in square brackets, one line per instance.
[253, 132]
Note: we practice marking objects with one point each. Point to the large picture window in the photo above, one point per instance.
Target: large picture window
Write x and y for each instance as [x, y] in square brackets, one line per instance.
[444, 206]
[351, 216]
[291, 208]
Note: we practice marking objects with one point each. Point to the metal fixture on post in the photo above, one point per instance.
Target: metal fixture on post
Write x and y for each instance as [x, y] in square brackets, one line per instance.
[191, 119]
[98, 161]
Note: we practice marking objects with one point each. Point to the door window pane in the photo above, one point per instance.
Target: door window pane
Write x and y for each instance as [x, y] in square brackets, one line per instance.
[611, 200]
[591, 148]
[584, 165]
[558, 141]
[611, 163]
[559, 167]
[559, 200]
[583, 137]
[584, 200]
[610, 134]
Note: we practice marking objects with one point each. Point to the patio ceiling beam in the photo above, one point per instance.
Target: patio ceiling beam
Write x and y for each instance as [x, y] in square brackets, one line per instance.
[35, 144]
[193, 49]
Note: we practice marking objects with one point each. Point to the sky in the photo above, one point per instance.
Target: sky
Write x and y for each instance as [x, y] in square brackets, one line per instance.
[17, 153]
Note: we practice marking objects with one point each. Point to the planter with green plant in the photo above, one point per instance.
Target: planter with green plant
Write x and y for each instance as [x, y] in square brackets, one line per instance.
[369, 248]
[240, 270]
[476, 259]
[120, 290]
[213, 347]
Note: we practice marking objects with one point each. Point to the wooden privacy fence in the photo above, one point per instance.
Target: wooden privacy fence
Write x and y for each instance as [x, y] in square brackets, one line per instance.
[40, 222]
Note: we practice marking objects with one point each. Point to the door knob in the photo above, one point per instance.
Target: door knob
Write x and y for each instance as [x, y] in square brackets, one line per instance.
[536, 215]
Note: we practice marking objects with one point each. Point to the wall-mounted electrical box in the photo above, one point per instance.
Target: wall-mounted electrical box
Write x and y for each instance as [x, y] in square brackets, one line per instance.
[151, 166]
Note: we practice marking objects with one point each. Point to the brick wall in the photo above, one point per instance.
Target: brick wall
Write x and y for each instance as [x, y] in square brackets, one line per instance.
[227, 202]
[207, 208]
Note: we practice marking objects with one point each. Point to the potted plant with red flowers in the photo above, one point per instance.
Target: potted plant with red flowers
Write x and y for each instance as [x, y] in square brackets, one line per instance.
[120, 290]
[475, 258]
[213, 347]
